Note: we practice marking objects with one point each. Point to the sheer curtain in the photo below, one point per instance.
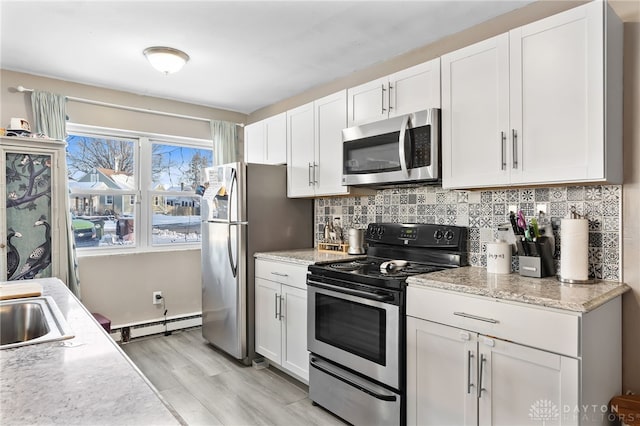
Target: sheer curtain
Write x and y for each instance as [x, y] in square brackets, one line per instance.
[50, 115]
[225, 142]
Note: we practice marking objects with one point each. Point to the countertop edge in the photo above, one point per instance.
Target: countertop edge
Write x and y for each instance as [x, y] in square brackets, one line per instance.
[306, 257]
[427, 281]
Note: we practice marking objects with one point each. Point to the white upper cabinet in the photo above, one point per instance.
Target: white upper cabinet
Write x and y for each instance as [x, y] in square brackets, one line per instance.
[539, 105]
[475, 114]
[314, 159]
[412, 89]
[265, 142]
[254, 148]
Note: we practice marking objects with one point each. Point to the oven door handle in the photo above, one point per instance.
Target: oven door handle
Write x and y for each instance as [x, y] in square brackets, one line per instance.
[353, 292]
[327, 369]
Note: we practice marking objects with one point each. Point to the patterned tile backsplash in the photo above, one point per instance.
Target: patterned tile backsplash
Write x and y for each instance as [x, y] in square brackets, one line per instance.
[483, 211]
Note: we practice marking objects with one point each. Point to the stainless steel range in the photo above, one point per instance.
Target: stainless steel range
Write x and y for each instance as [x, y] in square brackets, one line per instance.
[356, 319]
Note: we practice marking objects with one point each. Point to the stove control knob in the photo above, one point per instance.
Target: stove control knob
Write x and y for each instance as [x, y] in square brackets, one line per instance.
[438, 234]
[448, 235]
[380, 230]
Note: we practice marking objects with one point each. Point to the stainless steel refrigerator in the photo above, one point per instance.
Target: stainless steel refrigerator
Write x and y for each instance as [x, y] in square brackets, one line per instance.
[244, 210]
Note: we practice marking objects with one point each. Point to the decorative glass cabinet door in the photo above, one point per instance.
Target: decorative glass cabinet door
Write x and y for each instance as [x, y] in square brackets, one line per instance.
[28, 195]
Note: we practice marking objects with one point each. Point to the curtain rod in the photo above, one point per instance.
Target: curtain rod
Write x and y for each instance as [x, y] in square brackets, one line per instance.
[129, 108]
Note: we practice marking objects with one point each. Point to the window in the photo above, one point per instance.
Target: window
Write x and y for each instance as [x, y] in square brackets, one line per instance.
[134, 191]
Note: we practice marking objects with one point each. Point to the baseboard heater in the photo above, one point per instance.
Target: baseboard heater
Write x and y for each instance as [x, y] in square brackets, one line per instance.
[126, 332]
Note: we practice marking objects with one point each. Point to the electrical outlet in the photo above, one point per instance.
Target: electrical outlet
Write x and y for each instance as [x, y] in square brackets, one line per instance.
[157, 297]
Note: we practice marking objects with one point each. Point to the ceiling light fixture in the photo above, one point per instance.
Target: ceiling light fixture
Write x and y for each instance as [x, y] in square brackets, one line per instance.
[166, 59]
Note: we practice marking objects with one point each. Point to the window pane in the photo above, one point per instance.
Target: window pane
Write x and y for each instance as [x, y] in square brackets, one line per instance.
[178, 168]
[98, 224]
[100, 163]
[175, 219]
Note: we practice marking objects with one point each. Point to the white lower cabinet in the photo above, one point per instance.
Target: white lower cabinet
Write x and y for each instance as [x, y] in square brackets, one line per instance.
[281, 316]
[463, 378]
[463, 370]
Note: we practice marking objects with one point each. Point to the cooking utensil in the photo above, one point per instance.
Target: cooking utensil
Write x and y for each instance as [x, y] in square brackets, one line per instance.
[356, 241]
[514, 225]
[522, 223]
[536, 229]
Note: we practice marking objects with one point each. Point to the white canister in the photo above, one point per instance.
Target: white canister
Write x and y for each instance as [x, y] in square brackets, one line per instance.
[499, 257]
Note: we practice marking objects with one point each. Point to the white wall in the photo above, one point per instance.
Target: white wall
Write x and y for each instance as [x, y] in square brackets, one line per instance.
[120, 286]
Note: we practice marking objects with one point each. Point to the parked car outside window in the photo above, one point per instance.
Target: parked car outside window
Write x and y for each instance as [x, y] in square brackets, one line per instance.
[84, 232]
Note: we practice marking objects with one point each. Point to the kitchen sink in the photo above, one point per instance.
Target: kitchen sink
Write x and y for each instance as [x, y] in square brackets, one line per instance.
[30, 321]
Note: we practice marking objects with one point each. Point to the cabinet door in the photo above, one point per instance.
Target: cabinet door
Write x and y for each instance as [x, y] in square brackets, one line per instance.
[368, 102]
[300, 151]
[254, 149]
[521, 384]
[295, 357]
[415, 88]
[331, 118]
[441, 374]
[557, 97]
[268, 333]
[475, 114]
[275, 130]
[29, 222]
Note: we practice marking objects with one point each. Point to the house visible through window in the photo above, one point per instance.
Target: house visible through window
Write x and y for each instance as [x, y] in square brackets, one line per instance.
[135, 191]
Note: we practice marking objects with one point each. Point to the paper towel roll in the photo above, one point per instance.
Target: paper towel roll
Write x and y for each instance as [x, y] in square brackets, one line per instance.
[499, 257]
[574, 249]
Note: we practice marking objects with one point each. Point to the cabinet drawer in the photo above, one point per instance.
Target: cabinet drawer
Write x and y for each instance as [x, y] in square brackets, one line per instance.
[282, 272]
[532, 326]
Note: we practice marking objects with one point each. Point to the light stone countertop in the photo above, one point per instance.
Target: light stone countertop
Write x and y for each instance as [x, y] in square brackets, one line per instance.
[307, 257]
[86, 380]
[548, 292]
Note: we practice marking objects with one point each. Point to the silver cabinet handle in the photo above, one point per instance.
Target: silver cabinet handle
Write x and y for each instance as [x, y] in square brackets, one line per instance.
[483, 359]
[475, 317]
[280, 274]
[469, 384]
[503, 148]
[390, 107]
[280, 316]
[315, 174]
[514, 136]
[276, 305]
[382, 93]
[309, 175]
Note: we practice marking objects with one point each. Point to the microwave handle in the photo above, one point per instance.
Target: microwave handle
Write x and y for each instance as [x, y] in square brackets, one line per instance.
[402, 146]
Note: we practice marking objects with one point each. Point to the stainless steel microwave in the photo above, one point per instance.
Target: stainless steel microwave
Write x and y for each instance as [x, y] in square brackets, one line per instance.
[403, 149]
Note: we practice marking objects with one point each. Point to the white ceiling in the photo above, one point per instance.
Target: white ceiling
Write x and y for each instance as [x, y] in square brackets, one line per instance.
[244, 55]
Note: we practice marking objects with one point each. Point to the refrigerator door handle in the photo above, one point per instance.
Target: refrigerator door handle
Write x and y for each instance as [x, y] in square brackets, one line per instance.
[234, 268]
[234, 183]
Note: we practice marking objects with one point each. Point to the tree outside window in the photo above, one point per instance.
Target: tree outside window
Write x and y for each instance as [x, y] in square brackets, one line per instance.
[106, 174]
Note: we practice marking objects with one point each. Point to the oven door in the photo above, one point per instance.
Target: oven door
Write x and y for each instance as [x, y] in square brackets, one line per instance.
[356, 329]
[399, 149]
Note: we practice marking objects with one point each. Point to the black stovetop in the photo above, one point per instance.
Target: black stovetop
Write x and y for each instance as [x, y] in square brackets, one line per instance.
[409, 249]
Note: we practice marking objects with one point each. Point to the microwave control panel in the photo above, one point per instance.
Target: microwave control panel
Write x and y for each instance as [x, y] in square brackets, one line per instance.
[421, 146]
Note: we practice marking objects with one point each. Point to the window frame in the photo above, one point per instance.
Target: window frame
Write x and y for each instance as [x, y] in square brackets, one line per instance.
[143, 194]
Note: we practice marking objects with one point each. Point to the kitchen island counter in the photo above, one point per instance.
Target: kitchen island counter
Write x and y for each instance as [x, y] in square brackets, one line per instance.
[308, 256]
[547, 292]
[85, 380]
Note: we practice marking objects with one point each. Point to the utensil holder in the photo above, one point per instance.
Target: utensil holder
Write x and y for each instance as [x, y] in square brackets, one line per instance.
[538, 262]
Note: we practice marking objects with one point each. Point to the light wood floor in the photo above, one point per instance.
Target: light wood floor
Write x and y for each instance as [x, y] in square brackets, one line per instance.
[207, 387]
